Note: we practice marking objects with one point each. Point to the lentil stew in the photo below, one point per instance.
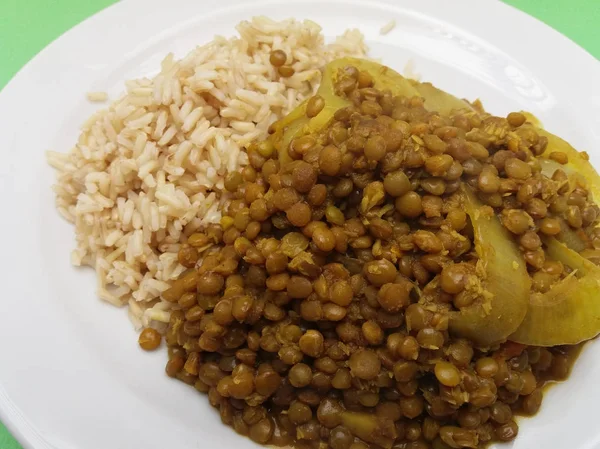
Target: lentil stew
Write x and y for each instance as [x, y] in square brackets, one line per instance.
[396, 268]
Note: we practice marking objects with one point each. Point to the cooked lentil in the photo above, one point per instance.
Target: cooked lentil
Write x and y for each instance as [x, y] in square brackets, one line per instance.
[149, 339]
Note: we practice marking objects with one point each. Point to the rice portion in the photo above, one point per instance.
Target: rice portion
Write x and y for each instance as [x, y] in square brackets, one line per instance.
[148, 171]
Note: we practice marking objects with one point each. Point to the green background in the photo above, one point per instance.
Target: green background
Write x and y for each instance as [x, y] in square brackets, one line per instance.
[27, 26]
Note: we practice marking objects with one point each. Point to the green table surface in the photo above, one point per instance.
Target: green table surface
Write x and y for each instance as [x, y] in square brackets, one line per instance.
[28, 26]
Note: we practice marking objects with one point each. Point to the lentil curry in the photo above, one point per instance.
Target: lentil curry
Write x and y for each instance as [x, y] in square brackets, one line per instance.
[397, 268]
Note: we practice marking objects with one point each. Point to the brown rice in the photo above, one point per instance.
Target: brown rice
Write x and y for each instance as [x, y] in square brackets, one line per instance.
[148, 171]
[387, 27]
[97, 96]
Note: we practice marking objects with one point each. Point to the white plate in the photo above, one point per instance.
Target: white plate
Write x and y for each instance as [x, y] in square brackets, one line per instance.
[71, 374]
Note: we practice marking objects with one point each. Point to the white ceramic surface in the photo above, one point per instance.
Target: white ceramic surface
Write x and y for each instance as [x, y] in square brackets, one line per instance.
[71, 374]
